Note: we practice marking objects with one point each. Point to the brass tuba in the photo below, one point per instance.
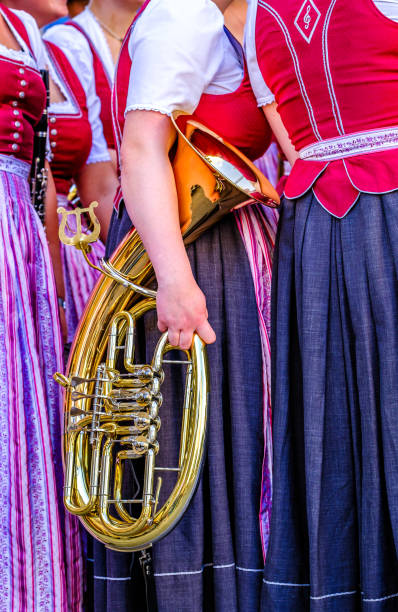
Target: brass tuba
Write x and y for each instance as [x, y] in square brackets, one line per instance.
[112, 404]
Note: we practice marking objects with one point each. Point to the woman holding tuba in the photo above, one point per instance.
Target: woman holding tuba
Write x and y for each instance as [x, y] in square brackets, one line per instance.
[178, 57]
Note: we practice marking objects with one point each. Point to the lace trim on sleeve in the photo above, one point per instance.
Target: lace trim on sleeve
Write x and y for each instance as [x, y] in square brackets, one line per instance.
[265, 100]
[147, 107]
[96, 159]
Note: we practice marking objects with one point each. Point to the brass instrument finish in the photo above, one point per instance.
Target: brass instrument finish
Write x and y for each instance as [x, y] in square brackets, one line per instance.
[113, 406]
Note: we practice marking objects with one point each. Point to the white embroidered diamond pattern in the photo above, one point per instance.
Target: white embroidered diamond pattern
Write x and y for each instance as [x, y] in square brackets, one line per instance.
[307, 20]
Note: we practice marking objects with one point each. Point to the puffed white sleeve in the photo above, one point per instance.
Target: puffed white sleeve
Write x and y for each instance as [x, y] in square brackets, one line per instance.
[78, 52]
[176, 50]
[389, 8]
[261, 90]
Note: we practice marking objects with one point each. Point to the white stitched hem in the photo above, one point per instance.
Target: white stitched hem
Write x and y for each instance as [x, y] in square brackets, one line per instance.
[195, 572]
[288, 584]
[343, 594]
[375, 599]
[147, 107]
[111, 579]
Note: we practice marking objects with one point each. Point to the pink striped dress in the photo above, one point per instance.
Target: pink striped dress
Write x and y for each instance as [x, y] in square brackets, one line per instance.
[32, 569]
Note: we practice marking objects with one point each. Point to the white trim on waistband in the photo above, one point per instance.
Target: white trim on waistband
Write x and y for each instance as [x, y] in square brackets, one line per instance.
[358, 143]
[9, 163]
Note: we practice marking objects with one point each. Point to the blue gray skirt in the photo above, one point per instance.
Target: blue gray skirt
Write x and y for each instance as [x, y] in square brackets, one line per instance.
[334, 524]
[213, 558]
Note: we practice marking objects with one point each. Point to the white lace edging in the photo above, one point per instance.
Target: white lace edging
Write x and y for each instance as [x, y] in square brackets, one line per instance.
[64, 107]
[350, 145]
[147, 107]
[13, 165]
[98, 159]
[265, 101]
[19, 55]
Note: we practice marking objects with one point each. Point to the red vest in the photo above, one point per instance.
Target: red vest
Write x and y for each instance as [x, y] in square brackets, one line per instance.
[70, 135]
[234, 116]
[333, 67]
[22, 100]
[103, 87]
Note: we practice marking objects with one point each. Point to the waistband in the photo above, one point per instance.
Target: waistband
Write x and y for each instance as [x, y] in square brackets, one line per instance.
[9, 163]
[357, 143]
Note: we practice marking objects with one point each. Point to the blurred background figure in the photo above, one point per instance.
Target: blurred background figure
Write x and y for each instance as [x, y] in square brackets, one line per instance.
[44, 11]
[92, 43]
[235, 18]
[273, 163]
[76, 6]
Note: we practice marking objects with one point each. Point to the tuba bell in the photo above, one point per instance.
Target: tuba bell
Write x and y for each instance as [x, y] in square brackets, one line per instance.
[113, 405]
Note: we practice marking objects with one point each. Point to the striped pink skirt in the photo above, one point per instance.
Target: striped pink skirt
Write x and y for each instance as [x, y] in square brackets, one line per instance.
[32, 568]
[257, 225]
[80, 280]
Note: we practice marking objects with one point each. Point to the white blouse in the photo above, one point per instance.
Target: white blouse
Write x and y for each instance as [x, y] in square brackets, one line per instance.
[77, 50]
[24, 54]
[87, 21]
[262, 92]
[179, 51]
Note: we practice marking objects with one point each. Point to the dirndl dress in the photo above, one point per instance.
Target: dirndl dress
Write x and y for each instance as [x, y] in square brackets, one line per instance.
[334, 521]
[213, 559]
[32, 568]
[32, 573]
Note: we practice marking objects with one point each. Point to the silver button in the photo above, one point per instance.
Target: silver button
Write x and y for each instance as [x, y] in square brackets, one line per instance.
[16, 135]
[53, 119]
[53, 144]
[16, 113]
[15, 147]
[21, 94]
[22, 71]
[54, 132]
[17, 124]
[23, 83]
[14, 103]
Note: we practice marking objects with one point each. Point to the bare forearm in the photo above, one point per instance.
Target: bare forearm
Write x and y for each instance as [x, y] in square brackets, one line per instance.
[151, 201]
[98, 182]
[150, 197]
[280, 132]
[51, 220]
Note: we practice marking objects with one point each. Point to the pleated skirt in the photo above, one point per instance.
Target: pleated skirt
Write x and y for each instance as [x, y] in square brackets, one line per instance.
[32, 569]
[213, 559]
[334, 523]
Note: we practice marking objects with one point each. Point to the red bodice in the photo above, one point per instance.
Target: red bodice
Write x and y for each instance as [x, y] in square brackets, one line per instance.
[234, 116]
[22, 100]
[103, 87]
[70, 134]
[334, 72]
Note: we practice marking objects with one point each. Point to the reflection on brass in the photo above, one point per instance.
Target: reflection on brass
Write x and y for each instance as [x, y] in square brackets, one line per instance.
[112, 405]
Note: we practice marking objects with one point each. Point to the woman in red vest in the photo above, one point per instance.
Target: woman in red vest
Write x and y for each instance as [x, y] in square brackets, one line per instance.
[92, 42]
[332, 67]
[32, 572]
[177, 56]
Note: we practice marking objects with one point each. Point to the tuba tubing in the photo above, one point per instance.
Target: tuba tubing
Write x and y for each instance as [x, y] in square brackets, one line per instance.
[111, 417]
